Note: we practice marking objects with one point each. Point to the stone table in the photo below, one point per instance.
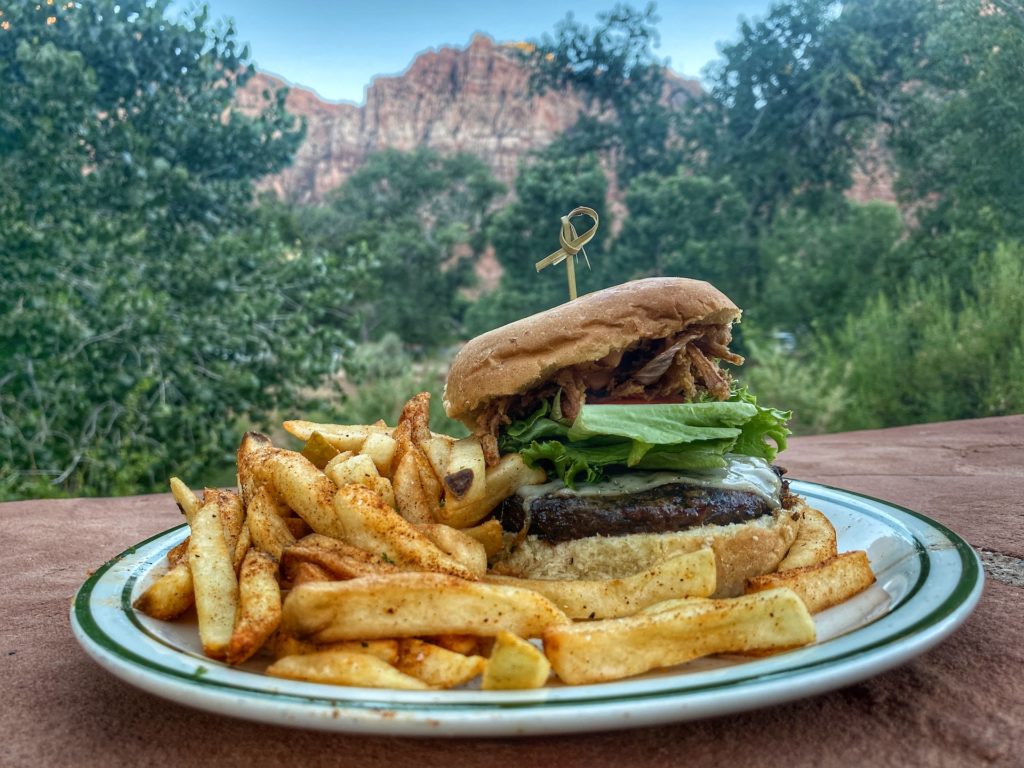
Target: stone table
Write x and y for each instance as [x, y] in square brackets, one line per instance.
[962, 703]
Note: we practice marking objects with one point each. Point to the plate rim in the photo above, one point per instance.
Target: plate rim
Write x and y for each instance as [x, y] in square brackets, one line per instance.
[379, 713]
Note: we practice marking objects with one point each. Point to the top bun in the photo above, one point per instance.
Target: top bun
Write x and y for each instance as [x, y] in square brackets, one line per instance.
[517, 357]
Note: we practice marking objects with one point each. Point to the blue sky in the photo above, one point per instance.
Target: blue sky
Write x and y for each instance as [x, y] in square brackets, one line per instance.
[337, 47]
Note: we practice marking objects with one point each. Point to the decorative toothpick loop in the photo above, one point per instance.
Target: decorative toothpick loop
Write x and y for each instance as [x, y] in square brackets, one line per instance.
[571, 244]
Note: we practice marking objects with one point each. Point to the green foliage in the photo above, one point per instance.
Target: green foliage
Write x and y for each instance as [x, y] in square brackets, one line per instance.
[613, 69]
[416, 219]
[795, 97]
[686, 225]
[821, 267]
[383, 376]
[931, 352]
[960, 141]
[146, 307]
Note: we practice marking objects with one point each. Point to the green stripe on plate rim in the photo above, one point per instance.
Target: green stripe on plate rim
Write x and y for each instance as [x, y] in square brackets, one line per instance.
[965, 586]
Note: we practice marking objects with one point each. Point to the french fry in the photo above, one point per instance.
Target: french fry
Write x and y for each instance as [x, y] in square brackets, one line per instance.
[319, 450]
[307, 490]
[412, 496]
[253, 470]
[187, 501]
[463, 548]
[501, 481]
[815, 541]
[413, 605]
[242, 545]
[490, 534]
[297, 526]
[823, 585]
[356, 468]
[438, 450]
[437, 666]
[213, 579]
[514, 664]
[170, 595]
[386, 491]
[269, 533]
[259, 611]
[596, 651]
[339, 559]
[686, 575]
[380, 447]
[372, 525]
[284, 645]
[337, 433]
[464, 476]
[467, 645]
[344, 668]
[302, 572]
[178, 553]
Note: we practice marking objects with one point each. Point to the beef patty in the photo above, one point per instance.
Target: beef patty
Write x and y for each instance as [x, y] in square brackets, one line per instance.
[664, 509]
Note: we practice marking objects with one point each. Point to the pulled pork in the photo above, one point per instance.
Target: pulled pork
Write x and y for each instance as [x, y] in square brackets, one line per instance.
[679, 368]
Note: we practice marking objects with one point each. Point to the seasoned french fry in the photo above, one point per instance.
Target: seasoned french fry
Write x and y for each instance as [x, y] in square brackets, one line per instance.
[490, 534]
[413, 605]
[170, 595]
[815, 541]
[307, 490]
[372, 525]
[253, 470]
[356, 468]
[687, 575]
[437, 666]
[341, 560]
[501, 481]
[302, 571]
[514, 664]
[242, 546]
[187, 501]
[282, 645]
[438, 450]
[465, 549]
[386, 491]
[380, 447]
[467, 645]
[356, 433]
[411, 496]
[213, 579]
[259, 612]
[269, 532]
[297, 526]
[595, 651]
[178, 553]
[823, 585]
[465, 474]
[344, 668]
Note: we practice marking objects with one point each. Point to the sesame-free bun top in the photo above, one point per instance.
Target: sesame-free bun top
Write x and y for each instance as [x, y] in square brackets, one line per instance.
[517, 357]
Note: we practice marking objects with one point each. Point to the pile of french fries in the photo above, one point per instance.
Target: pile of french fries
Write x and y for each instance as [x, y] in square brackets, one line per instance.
[362, 561]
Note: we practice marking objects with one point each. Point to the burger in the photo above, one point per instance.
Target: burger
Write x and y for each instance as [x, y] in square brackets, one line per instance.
[650, 448]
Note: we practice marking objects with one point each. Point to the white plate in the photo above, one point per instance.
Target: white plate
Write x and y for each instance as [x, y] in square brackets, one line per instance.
[929, 580]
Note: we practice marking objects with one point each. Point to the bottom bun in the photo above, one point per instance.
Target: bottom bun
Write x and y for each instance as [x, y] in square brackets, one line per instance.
[742, 551]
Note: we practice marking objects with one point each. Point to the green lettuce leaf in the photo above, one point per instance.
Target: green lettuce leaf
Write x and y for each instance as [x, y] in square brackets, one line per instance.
[687, 436]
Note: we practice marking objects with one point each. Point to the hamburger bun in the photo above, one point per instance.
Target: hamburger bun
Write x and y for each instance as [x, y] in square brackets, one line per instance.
[519, 356]
[742, 551]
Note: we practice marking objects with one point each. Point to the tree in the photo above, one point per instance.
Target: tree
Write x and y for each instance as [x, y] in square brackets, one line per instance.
[626, 117]
[148, 311]
[960, 139]
[417, 219]
[794, 99]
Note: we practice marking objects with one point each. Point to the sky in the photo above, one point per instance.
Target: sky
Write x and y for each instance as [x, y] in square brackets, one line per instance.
[336, 47]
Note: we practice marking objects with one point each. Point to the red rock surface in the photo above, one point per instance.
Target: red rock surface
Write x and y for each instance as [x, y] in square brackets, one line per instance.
[959, 704]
